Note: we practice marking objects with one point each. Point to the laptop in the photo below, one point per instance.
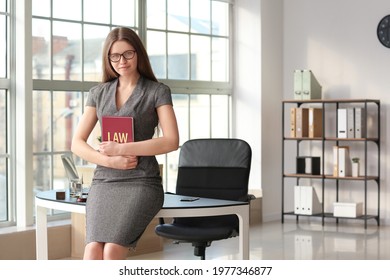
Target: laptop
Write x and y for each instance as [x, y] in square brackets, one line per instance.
[70, 168]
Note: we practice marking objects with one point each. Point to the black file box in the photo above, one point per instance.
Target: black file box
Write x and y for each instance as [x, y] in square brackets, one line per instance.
[309, 165]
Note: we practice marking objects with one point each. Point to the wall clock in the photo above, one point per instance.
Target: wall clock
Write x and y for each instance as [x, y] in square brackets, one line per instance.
[383, 31]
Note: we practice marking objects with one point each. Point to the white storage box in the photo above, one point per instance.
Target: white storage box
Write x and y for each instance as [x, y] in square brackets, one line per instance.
[348, 209]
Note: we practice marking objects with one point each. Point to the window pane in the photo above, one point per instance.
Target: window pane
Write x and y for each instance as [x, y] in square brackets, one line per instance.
[220, 18]
[94, 12]
[66, 51]
[96, 132]
[3, 190]
[172, 159]
[170, 167]
[94, 37]
[41, 8]
[3, 160]
[156, 14]
[3, 5]
[220, 60]
[219, 116]
[69, 9]
[41, 173]
[124, 12]
[181, 107]
[66, 110]
[199, 116]
[200, 16]
[178, 58]
[60, 180]
[200, 58]
[3, 46]
[41, 121]
[178, 15]
[157, 53]
[41, 48]
[3, 122]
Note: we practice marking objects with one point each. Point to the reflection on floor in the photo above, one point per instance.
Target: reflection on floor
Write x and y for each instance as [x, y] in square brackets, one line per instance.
[299, 241]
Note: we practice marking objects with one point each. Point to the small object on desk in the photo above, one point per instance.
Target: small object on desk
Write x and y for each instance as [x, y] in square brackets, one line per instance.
[189, 199]
[82, 199]
[85, 190]
[75, 188]
[60, 195]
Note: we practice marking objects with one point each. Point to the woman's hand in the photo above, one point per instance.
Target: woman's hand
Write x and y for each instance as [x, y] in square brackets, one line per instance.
[115, 159]
[109, 148]
[123, 162]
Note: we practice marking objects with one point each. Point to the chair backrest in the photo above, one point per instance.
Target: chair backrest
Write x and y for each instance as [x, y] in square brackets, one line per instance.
[214, 168]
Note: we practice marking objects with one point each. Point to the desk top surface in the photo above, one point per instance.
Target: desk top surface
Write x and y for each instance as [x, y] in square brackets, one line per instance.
[171, 201]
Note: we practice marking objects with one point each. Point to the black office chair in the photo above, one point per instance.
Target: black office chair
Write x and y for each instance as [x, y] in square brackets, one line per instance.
[211, 168]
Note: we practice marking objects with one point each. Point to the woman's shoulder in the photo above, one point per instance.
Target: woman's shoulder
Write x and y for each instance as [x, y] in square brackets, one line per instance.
[102, 87]
[157, 91]
[156, 85]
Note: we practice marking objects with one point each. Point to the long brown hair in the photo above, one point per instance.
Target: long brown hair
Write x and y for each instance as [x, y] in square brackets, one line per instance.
[128, 35]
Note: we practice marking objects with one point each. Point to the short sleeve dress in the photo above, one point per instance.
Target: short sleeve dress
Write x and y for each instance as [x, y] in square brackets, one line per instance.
[121, 203]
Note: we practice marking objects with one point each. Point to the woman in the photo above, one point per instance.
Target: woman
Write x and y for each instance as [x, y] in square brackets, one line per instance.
[126, 192]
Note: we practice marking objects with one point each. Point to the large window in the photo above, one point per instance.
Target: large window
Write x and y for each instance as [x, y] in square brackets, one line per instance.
[189, 46]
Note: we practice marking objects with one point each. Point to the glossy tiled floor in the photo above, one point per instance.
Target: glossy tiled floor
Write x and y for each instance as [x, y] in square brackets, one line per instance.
[302, 241]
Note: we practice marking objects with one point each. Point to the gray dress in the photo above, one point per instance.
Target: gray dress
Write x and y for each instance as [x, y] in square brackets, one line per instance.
[121, 203]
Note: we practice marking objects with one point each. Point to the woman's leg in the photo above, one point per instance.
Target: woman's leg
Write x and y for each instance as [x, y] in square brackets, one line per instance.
[114, 251]
[94, 251]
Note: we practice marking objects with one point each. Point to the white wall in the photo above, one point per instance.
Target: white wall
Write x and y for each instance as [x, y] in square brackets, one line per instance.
[338, 41]
[258, 92]
[247, 82]
[271, 96]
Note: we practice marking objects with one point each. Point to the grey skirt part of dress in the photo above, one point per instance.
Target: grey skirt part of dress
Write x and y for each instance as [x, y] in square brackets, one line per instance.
[119, 212]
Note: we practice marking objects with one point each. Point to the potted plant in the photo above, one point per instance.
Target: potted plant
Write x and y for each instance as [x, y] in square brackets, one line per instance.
[355, 167]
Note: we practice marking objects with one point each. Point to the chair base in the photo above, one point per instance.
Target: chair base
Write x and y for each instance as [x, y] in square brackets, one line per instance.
[200, 249]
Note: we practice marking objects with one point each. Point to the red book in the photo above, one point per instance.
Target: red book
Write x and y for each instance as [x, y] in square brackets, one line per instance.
[118, 129]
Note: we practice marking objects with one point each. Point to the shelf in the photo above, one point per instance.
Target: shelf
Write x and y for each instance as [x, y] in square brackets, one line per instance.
[293, 214]
[330, 215]
[360, 178]
[333, 101]
[294, 175]
[372, 139]
[362, 217]
[310, 176]
[330, 107]
[304, 138]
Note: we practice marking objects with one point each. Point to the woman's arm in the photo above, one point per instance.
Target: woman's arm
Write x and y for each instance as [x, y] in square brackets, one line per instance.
[169, 141]
[81, 148]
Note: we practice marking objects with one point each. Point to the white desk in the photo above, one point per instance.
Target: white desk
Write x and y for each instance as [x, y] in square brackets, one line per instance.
[172, 207]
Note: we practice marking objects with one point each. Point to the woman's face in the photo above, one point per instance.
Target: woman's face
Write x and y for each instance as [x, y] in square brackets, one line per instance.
[127, 63]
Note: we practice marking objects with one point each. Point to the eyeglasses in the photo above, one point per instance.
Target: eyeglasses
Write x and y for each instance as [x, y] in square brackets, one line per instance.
[115, 57]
